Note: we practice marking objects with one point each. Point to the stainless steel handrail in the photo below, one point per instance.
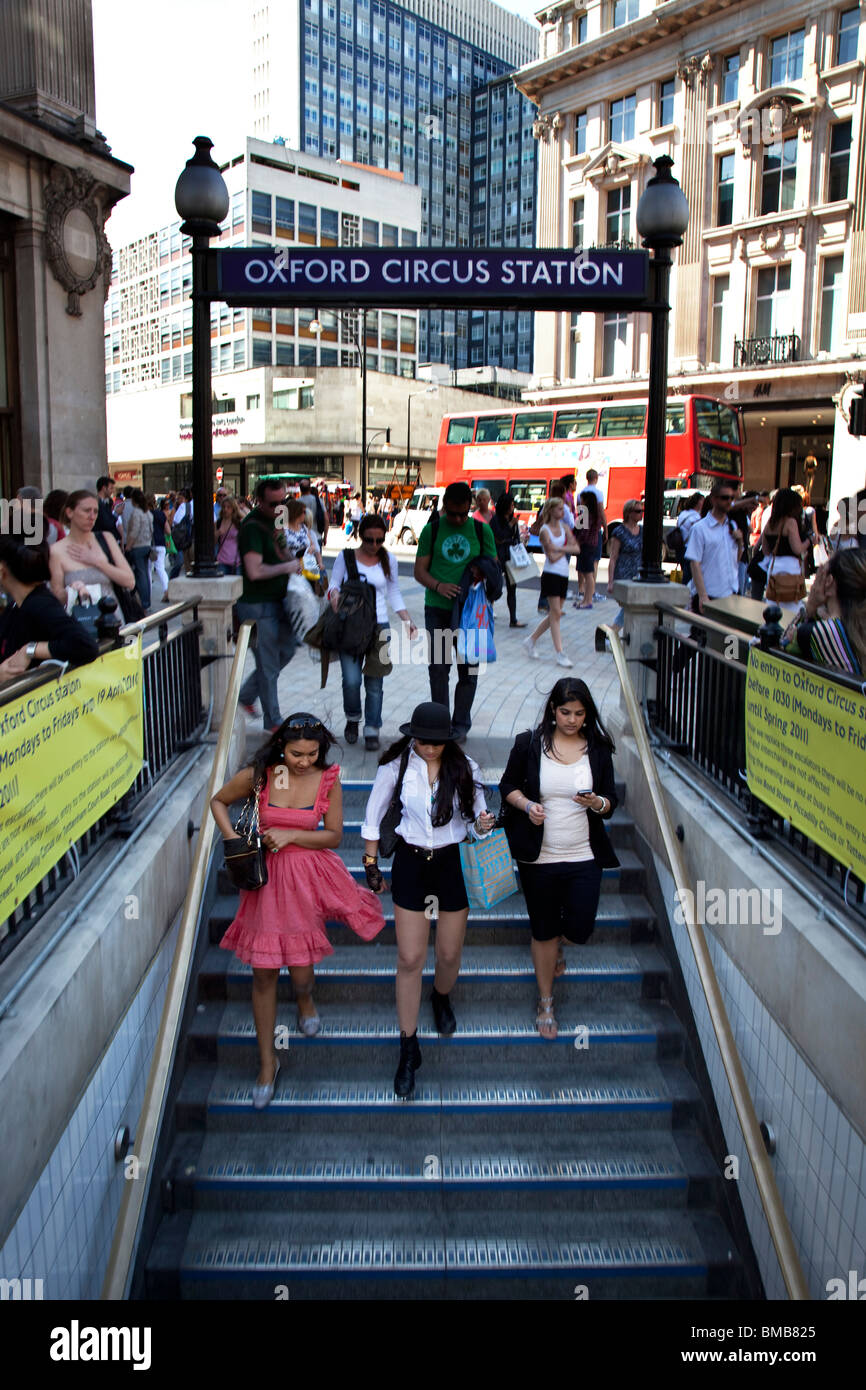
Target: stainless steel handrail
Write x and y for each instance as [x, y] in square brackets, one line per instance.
[780, 1230]
[120, 1260]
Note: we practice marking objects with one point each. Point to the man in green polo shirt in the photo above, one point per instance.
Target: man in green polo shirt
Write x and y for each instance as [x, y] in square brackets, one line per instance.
[266, 565]
[439, 567]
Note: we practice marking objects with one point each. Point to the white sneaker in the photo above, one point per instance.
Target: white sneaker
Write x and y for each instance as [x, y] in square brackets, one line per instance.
[563, 660]
[529, 647]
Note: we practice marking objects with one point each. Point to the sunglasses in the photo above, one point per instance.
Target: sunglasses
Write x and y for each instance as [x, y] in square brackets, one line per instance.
[373, 540]
[303, 723]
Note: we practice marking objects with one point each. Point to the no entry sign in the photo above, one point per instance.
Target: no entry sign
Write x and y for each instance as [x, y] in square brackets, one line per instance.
[353, 277]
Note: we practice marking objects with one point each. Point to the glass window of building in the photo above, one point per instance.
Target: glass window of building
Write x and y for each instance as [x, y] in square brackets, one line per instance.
[307, 227]
[261, 352]
[285, 218]
[622, 113]
[779, 176]
[839, 160]
[666, 102]
[846, 35]
[786, 57]
[772, 301]
[239, 353]
[624, 12]
[831, 302]
[730, 78]
[330, 227]
[370, 232]
[726, 170]
[261, 207]
[389, 234]
[720, 288]
[618, 218]
[581, 28]
[614, 344]
[580, 133]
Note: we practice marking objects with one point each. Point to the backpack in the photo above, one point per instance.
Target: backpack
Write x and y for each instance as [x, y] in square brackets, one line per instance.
[676, 544]
[354, 625]
[181, 533]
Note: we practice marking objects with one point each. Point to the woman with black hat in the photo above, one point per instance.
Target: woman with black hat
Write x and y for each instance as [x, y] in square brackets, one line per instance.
[439, 794]
[557, 789]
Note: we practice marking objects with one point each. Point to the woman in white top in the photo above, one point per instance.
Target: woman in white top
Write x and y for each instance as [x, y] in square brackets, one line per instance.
[374, 565]
[440, 798]
[559, 545]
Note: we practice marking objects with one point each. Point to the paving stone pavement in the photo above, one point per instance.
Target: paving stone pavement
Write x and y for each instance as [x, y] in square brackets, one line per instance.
[511, 691]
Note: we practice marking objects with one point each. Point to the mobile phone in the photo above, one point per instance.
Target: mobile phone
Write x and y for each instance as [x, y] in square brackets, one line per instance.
[584, 791]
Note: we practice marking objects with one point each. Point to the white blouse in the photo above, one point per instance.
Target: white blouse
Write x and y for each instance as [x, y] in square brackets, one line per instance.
[566, 824]
[418, 798]
[387, 590]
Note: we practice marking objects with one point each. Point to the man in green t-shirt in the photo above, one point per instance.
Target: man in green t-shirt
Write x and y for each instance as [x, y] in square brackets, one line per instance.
[439, 567]
[266, 565]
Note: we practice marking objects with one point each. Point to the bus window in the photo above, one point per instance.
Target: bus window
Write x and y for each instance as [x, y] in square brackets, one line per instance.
[716, 421]
[575, 424]
[494, 429]
[528, 493]
[625, 421]
[460, 431]
[495, 486]
[675, 419]
[533, 426]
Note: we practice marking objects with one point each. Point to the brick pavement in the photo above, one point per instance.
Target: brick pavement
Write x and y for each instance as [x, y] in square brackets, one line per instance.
[510, 692]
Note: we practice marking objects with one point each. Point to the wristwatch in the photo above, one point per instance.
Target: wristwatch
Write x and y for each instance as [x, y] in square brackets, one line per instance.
[30, 649]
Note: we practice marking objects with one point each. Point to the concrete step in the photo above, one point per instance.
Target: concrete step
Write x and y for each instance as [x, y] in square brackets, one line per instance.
[426, 1252]
[506, 1098]
[486, 972]
[487, 1030]
[599, 1169]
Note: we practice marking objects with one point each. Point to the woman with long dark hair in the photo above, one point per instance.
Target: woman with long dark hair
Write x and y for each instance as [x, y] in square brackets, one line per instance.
[138, 542]
[506, 533]
[440, 797]
[588, 534]
[300, 812]
[557, 790]
[831, 627]
[781, 542]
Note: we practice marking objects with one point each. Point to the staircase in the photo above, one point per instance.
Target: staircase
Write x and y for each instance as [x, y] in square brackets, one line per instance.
[521, 1169]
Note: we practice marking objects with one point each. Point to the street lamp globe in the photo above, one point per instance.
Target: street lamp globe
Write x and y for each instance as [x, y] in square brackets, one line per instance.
[200, 195]
[663, 210]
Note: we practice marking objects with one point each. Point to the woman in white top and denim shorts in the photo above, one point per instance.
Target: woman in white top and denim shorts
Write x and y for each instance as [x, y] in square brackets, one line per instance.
[559, 545]
[441, 798]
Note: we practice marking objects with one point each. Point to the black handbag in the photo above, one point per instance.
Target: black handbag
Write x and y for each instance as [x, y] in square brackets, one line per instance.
[128, 601]
[245, 857]
[87, 614]
[391, 818]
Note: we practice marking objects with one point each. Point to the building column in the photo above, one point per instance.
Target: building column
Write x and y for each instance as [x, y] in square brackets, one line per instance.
[695, 76]
[549, 359]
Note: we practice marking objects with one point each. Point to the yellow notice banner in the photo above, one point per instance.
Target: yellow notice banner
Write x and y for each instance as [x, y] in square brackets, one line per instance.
[68, 752]
[806, 753]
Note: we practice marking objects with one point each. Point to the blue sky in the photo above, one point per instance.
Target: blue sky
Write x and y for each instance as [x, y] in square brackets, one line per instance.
[161, 75]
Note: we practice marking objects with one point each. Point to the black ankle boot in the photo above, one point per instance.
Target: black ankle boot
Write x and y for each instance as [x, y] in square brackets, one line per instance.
[443, 1013]
[410, 1061]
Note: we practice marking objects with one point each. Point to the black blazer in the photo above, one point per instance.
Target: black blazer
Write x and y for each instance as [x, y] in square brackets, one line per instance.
[523, 774]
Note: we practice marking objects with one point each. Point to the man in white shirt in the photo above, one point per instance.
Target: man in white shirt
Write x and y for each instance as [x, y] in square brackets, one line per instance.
[714, 549]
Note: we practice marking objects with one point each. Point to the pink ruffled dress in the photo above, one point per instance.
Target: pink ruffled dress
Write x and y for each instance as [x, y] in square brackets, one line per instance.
[283, 923]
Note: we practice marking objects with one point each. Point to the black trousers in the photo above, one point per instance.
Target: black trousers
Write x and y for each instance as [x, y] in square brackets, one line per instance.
[561, 899]
[437, 621]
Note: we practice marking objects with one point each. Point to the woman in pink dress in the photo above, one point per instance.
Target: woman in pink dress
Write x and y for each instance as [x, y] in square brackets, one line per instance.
[283, 923]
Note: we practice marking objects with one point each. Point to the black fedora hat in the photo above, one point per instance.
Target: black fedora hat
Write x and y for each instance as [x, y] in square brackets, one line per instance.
[430, 722]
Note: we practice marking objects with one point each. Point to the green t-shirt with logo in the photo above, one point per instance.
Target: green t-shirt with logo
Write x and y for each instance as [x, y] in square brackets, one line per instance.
[260, 533]
[455, 546]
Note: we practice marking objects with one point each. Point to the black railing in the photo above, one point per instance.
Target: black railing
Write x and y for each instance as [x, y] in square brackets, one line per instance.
[700, 713]
[172, 713]
[759, 352]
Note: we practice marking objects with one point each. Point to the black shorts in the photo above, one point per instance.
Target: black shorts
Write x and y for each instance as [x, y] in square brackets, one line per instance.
[554, 585]
[561, 899]
[416, 879]
[586, 560]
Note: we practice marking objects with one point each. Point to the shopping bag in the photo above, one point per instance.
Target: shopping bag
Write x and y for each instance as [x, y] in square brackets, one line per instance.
[475, 632]
[488, 870]
[521, 565]
[300, 606]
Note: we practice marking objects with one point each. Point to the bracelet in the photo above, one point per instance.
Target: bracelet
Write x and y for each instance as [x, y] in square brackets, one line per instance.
[528, 807]
[370, 858]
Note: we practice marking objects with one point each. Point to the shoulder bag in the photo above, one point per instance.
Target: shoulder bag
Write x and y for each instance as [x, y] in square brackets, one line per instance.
[784, 588]
[391, 818]
[128, 601]
[245, 860]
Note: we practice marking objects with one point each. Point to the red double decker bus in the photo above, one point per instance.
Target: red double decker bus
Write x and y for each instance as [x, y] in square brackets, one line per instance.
[524, 449]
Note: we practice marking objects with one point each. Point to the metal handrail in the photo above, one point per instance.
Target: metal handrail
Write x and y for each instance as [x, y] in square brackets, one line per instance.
[120, 1259]
[774, 1211]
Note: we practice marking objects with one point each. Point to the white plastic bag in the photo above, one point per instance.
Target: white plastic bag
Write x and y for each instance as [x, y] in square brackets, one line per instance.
[301, 606]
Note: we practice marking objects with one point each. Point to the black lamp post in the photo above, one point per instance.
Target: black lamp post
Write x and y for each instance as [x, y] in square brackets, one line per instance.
[366, 459]
[662, 217]
[428, 391]
[202, 200]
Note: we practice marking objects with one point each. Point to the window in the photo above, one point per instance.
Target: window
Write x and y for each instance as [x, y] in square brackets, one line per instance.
[730, 78]
[533, 426]
[675, 419]
[577, 230]
[253, 402]
[622, 118]
[261, 352]
[330, 228]
[846, 36]
[371, 233]
[262, 213]
[307, 223]
[715, 421]
[461, 431]
[575, 424]
[666, 102]
[831, 301]
[786, 57]
[725, 195]
[624, 11]
[580, 32]
[614, 343]
[779, 176]
[580, 133]
[285, 217]
[494, 429]
[623, 421]
[618, 220]
[840, 154]
[239, 353]
[720, 287]
[772, 301]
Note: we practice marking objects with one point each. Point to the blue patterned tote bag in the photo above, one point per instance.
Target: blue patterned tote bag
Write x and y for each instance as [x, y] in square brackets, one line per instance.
[488, 870]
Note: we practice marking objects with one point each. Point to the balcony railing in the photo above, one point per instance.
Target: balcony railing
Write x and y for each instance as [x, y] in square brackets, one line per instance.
[762, 352]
